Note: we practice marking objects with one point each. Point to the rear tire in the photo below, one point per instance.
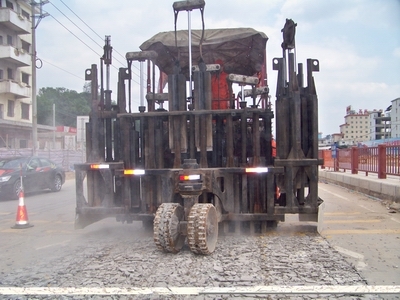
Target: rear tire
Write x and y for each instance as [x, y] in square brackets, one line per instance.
[56, 184]
[202, 228]
[167, 236]
[15, 190]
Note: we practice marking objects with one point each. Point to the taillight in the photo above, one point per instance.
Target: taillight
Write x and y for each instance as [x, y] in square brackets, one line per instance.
[257, 170]
[99, 166]
[134, 172]
[189, 177]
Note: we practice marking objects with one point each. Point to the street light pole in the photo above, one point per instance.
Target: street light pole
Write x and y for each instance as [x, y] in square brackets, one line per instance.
[34, 104]
[33, 63]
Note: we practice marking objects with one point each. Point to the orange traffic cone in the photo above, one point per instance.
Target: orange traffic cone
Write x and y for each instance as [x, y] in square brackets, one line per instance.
[22, 214]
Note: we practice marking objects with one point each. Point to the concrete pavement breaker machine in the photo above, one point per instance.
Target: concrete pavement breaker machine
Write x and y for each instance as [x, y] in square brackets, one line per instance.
[198, 160]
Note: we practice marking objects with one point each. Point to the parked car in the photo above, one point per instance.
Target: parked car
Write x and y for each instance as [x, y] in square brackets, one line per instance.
[37, 173]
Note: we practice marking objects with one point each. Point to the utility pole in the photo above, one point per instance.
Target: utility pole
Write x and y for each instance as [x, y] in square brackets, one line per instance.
[40, 16]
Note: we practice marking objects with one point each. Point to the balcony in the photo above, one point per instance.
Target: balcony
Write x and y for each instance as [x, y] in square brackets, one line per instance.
[15, 22]
[15, 56]
[19, 90]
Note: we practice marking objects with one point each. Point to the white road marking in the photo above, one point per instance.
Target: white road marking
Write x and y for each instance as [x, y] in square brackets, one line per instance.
[371, 210]
[336, 195]
[256, 290]
[394, 220]
[351, 221]
[349, 252]
[341, 197]
[52, 245]
[360, 264]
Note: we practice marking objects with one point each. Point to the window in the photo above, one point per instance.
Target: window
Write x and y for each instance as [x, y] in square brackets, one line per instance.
[9, 4]
[45, 162]
[1, 111]
[1, 74]
[25, 78]
[1, 40]
[25, 14]
[9, 40]
[10, 108]
[25, 111]
[10, 74]
[23, 144]
[25, 46]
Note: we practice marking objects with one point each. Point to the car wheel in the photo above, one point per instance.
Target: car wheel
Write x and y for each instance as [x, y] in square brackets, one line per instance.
[15, 190]
[57, 184]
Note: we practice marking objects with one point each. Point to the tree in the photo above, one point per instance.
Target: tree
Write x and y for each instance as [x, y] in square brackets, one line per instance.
[68, 105]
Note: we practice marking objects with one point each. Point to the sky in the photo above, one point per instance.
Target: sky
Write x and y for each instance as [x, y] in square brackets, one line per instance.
[357, 43]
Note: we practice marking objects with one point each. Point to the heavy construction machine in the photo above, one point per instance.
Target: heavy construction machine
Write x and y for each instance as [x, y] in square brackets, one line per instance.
[198, 159]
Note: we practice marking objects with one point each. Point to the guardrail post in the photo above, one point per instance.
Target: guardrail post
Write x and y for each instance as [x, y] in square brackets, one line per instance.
[382, 161]
[354, 160]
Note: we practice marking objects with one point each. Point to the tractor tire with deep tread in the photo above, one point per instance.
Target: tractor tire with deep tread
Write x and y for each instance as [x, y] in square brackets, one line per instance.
[166, 233]
[202, 228]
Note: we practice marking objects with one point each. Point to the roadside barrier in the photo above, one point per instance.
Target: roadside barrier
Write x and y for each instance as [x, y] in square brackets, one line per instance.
[383, 160]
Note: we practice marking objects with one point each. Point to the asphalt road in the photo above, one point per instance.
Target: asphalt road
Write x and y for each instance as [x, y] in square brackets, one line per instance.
[365, 232]
[52, 235]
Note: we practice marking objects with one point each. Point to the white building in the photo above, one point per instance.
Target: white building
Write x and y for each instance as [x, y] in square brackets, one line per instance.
[356, 127]
[15, 74]
[395, 118]
[380, 125]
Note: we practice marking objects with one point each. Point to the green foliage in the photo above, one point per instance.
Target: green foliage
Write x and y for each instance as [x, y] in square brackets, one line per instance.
[68, 105]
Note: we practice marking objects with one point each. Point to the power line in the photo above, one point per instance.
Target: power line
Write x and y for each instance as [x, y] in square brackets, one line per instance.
[61, 68]
[81, 20]
[91, 30]
[75, 24]
[88, 27]
[76, 36]
[79, 29]
[65, 27]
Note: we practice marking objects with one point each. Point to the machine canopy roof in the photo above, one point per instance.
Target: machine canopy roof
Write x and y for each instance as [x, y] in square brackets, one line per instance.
[240, 50]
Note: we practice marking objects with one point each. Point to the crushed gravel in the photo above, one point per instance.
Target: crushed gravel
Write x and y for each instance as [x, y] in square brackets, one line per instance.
[238, 261]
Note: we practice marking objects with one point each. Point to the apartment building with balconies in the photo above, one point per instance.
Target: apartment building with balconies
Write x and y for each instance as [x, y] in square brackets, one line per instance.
[395, 118]
[380, 125]
[15, 74]
[356, 127]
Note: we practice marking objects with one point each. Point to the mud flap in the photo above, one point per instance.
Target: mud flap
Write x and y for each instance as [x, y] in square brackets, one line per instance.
[82, 220]
[315, 217]
[321, 211]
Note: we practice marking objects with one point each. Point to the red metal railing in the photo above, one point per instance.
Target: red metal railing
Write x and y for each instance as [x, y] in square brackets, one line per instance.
[383, 160]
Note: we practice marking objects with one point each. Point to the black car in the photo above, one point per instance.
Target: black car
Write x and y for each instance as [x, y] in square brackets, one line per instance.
[37, 174]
